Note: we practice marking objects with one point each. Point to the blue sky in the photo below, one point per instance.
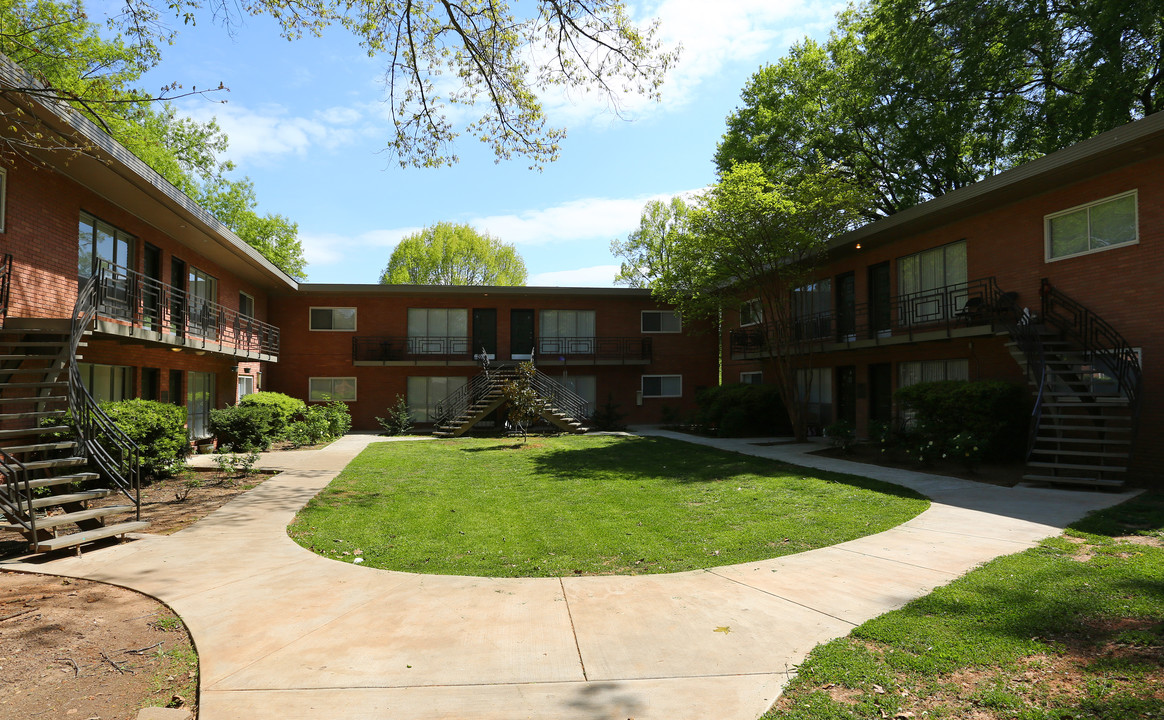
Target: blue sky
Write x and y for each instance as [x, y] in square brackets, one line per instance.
[307, 123]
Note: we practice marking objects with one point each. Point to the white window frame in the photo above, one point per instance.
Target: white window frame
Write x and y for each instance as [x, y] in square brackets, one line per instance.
[119, 237]
[750, 374]
[311, 317]
[661, 313]
[125, 382]
[427, 343]
[756, 311]
[1088, 206]
[317, 396]
[240, 382]
[424, 413]
[643, 389]
[581, 343]
[933, 365]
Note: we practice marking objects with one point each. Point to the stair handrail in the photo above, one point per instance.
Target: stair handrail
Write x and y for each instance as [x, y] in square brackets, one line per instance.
[1098, 338]
[461, 399]
[1027, 339]
[17, 502]
[120, 463]
[561, 397]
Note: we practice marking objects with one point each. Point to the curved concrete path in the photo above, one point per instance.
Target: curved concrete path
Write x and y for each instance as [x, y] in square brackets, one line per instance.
[284, 634]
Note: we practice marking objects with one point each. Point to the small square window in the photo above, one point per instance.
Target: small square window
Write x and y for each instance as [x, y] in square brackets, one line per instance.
[246, 305]
[333, 318]
[752, 378]
[661, 321]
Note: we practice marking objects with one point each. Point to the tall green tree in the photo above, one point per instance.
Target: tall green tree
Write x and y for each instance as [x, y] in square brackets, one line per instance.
[751, 237]
[646, 252]
[453, 254]
[499, 55]
[915, 98]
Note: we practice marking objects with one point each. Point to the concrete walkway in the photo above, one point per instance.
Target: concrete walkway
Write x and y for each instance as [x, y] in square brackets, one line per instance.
[284, 634]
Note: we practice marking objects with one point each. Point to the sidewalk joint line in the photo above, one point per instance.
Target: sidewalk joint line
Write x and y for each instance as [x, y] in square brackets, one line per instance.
[573, 630]
[781, 597]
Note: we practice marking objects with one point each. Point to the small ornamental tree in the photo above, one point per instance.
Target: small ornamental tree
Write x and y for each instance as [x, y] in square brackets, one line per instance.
[525, 405]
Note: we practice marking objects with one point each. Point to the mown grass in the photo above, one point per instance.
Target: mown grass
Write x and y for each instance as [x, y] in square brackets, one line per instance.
[584, 505]
[1073, 628]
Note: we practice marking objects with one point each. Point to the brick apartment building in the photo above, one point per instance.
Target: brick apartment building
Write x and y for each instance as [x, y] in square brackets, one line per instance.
[1073, 242]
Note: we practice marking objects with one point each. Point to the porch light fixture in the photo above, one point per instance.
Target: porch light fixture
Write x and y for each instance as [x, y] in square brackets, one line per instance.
[175, 349]
[858, 246]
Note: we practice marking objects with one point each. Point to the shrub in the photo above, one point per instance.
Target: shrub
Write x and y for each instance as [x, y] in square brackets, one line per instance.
[286, 409]
[339, 417]
[311, 428]
[398, 420]
[841, 434]
[995, 413]
[608, 417]
[158, 428]
[742, 409]
[244, 427]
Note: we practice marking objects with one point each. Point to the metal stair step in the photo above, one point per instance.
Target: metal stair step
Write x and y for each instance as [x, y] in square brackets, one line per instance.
[43, 384]
[81, 496]
[1105, 482]
[52, 521]
[63, 479]
[30, 356]
[1078, 466]
[39, 414]
[34, 399]
[1098, 403]
[88, 536]
[1079, 453]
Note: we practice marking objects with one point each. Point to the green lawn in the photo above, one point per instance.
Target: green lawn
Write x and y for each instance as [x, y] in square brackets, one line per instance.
[1072, 629]
[584, 505]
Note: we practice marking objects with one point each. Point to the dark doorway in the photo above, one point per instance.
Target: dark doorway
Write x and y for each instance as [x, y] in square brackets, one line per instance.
[880, 311]
[177, 296]
[151, 383]
[846, 307]
[151, 288]
[485, 331]
[847, 393]
[881, 392]
[521, 334]
[177, 397]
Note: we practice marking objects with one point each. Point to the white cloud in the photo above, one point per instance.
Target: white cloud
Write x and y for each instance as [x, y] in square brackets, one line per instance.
[596, 276]
[575, 220]
[712, 36]
[327, 249]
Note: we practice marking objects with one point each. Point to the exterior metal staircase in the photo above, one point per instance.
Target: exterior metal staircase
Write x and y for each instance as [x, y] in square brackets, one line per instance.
[484, 393]
[1087, 381]
[58, 451]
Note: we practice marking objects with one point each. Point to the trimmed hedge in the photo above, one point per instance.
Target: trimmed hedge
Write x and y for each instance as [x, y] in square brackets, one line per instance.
[742, 410]
[158, 428]
[244, 427]
[996, 413]
[286, 408]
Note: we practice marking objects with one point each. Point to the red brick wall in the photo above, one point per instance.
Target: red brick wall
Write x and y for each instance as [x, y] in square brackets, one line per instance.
[329, 354]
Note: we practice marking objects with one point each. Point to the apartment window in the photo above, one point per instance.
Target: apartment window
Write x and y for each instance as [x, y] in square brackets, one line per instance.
[3, 197]
[815, 387]
[661, 321]
[246, 305]
[566, 332]
[438, 331]
[932, 284]
[751, 313]
[812, 306]
[99, 241]
[107, 383]
[1093, 227]
[246, 386]
[322, 389]
[199, 402]
[914, 372]
[202, 292]
[752, 378]
[151, 383]
[333, 318]
[585, 386]
[662, 386]
[424, 393]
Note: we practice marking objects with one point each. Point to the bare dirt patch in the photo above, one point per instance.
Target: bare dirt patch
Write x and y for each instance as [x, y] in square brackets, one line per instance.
[79, 649]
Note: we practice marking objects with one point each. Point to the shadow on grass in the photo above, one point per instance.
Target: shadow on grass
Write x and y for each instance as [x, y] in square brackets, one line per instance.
[1142, 515]
[680, 462]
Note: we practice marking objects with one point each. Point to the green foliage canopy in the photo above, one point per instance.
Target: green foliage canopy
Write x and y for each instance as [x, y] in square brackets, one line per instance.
[448, 254]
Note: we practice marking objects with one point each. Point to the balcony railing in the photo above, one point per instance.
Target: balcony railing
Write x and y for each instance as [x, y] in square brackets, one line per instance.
[977, 302]
[417, 349]
[146, 304]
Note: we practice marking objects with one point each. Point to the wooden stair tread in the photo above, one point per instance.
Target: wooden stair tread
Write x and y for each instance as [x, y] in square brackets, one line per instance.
[1079, 453]
[1077, 466]
[61, 445]
[1106, 482]
[88, 536]
[1084, 441]
[63, 479]
[25, 432]
[34, 398]
[55, 463]
[81, 496]
[52, 521]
